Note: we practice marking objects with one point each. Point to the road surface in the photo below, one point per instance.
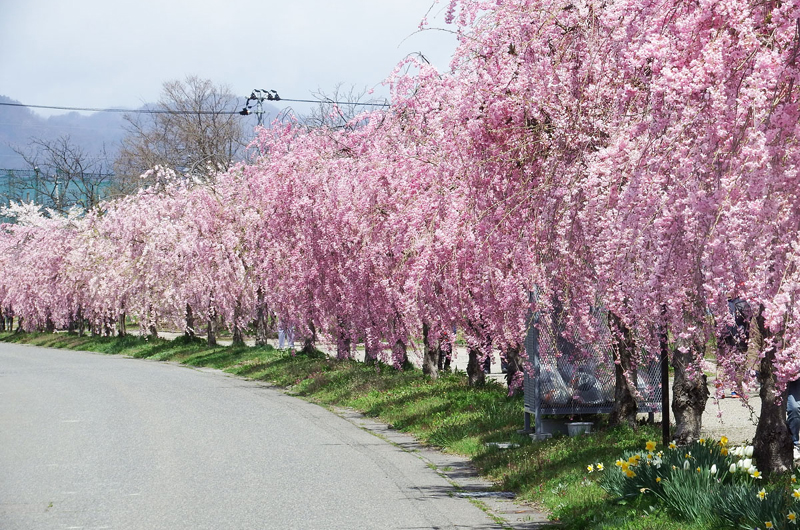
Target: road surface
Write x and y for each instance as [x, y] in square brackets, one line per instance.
[107, 442]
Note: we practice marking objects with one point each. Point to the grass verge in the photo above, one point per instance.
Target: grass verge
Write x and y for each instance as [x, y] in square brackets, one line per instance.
[446, 413]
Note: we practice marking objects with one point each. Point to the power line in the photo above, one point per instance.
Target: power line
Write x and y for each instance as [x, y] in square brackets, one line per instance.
[160, 111]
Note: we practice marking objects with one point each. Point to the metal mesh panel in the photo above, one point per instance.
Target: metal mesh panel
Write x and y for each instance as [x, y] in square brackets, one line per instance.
[572, 377]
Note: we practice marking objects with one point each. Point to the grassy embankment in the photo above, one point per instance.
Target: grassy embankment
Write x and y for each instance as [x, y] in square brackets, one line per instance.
[445, 413]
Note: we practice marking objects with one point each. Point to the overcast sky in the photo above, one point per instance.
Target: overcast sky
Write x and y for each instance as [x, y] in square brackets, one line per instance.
[117, 53]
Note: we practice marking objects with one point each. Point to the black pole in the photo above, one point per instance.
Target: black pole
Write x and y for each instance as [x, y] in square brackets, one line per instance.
[662, 340]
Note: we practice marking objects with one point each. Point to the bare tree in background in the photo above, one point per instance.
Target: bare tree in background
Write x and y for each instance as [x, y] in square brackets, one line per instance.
[352, 103]
[195, 130]
[65, 175]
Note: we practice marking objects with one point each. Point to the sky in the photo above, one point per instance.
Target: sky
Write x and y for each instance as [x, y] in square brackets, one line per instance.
[117, 53]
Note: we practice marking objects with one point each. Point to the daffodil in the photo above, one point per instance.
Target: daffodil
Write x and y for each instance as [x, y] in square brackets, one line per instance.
[698, 469]
[724, 451]
[590, 468]
[723, 440]
[796, 494]
[672, 445]
[630, 473]
[794, 479]
[619, 463]
[650, 446]
[599, 466]
[768, 524]
[658, 479]
[702, 440]
[762, 494]
[792, 517]
[756, 474]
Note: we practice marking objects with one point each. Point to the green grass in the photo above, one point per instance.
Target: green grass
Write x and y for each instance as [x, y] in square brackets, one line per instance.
[446, 413]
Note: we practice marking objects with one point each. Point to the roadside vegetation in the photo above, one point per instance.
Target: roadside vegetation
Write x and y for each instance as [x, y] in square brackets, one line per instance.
[446, 413]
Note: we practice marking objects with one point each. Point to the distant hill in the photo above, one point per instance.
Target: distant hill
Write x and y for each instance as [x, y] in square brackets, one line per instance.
[18, 125]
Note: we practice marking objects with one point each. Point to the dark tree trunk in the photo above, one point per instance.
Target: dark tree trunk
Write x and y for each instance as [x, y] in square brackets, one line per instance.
[430, 355]
[445, 348]
[262, 315]
[19, 324]
[122, 329]
[188, 331]
[309, 344]
[475, 374]
[514, 368]
[400, 355]
[49, 326]
[238, 332]
[624, 410]
[343, 343]
[689, 394]
[212, 327]
[772, 445]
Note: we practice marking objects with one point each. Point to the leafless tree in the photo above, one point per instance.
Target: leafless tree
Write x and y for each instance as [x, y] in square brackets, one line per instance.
[339, 109]
[64, 175]
[194, 129]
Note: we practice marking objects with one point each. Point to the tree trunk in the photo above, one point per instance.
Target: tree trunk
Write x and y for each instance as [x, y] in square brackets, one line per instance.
[238, 332]
[514, 369]
[624, 409]
[343, 343]
[122, 329]
[689, 393]
[475, 373]
[430, 356]
[445, 348]
[400, 355]
[309, 344]
[188, 331]
[772, 445]
[262, 325]
[212, 327]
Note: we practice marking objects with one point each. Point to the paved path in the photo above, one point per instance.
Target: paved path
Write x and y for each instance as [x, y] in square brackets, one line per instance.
[93, 441]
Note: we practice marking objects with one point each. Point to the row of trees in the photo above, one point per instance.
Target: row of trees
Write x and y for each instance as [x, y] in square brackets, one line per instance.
[636, 155]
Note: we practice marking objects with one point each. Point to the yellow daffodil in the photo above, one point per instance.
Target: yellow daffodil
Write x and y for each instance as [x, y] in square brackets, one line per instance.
[658, 479]
[625, 466]
[702, 440]
[619, 463]
[723, 440]
[768, 524]
[796, 494]
[792, 517]
[698, 470]
[762, 494]
[672, 445]
[724, 451]
[650, 446]
[590, 468]
[599, 466]
[794, 479]
[630, 473]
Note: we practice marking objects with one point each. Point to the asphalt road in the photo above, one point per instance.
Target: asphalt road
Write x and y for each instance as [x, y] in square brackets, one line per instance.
[92, 441]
